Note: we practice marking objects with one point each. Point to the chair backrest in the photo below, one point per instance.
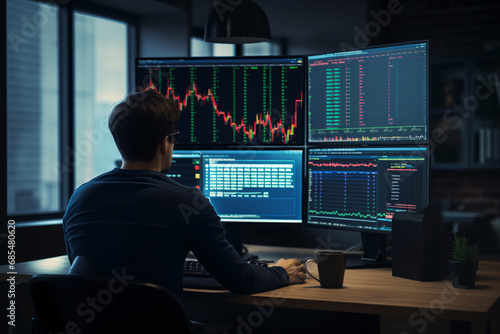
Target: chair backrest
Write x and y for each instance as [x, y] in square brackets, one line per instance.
[82, 266]
[85, 304]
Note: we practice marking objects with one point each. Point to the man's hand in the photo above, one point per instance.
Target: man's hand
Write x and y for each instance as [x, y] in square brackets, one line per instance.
[296, 270]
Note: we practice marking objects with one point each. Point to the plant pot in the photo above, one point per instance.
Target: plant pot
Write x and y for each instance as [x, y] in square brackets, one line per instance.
[463, 274]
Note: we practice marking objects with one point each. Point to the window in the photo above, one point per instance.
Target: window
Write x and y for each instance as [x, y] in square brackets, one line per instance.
[262, 49]
[100, 80]
[200, 48]
[38, 165]
[32, 108]
[221, 50]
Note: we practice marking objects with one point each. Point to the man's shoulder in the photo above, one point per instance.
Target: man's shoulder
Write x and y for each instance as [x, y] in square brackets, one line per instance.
[82, 187]
[121, 180]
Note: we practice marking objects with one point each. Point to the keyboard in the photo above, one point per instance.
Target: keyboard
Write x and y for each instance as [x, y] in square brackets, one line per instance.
[197, 277]
[193, 268]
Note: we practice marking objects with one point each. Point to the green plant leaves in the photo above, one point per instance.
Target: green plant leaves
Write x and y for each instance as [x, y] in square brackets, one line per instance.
[462, 250]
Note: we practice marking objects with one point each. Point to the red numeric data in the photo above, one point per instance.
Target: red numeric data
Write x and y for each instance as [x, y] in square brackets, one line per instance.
[377, 94]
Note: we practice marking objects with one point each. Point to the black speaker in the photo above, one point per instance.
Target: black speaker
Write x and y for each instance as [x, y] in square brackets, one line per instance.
[416, 245]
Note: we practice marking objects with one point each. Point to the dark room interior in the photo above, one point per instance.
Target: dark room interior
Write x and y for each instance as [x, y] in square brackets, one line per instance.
[66, 63]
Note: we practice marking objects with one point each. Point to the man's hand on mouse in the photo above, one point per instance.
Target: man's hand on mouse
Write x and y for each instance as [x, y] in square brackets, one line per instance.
[295, 269]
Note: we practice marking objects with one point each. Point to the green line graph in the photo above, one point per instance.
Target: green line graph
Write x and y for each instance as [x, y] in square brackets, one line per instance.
[348, 214]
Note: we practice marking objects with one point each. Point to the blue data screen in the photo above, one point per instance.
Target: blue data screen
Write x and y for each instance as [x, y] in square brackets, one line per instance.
[247, 185]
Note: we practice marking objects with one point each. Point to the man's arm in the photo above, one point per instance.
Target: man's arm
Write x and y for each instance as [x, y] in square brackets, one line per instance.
[68, 249]
[208, 242]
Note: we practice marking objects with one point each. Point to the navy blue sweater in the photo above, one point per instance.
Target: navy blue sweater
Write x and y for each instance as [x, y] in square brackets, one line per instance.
[144, 223]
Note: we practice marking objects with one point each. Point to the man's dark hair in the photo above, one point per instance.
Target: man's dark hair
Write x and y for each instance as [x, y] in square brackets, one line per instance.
[140, 122]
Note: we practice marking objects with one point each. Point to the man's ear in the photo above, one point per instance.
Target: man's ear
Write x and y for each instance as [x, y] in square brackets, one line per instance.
[163, 145]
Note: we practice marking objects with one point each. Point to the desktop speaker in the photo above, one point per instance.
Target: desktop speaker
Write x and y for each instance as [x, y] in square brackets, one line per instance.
[416, 245]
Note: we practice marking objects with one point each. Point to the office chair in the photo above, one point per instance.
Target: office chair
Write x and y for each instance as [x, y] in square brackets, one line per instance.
[78, 300]
[70, 303]
[83, 266]
[84, 301]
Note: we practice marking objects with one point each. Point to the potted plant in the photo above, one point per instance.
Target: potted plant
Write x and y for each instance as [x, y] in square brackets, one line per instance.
[463, 263]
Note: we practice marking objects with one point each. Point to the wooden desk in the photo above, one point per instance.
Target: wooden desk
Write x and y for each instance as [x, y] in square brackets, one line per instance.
[58, 265]
[376, 291]
[366, 291]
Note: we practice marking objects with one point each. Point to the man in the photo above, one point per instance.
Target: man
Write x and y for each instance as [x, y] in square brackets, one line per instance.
[137, 220]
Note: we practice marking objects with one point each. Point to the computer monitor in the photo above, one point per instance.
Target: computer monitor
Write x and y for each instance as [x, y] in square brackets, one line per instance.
[361, 188]
[377, 94]
[186, 168]
[231, 100]
[245, 186]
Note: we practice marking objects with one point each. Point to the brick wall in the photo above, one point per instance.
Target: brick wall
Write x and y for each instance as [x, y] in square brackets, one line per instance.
[474, 191]
[450, 25]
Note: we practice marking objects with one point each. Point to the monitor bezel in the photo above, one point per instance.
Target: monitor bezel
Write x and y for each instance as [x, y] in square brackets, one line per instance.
[302, 117]
[355, 229]
[386, 143]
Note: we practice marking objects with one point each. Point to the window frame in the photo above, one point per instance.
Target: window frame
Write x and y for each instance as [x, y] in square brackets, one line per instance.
[66, 112]
[3, 116]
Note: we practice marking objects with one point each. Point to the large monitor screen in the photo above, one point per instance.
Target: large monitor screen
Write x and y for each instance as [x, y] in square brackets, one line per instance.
[231, 101]
[361, 188]
[245, 186]
[372, 95]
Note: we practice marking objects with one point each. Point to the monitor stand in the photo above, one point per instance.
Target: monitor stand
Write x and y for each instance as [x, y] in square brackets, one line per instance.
[233, 235]
[374, 253]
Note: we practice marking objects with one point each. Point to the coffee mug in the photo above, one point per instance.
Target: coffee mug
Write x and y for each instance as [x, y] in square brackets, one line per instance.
[331, 268]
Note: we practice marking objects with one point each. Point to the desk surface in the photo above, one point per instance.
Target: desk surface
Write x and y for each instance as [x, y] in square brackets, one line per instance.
[370, 291]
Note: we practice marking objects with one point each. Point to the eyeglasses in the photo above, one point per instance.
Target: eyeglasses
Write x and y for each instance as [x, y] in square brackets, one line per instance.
[172, 137]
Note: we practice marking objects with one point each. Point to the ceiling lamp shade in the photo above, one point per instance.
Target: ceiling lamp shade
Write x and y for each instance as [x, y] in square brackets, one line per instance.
[237, 22]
